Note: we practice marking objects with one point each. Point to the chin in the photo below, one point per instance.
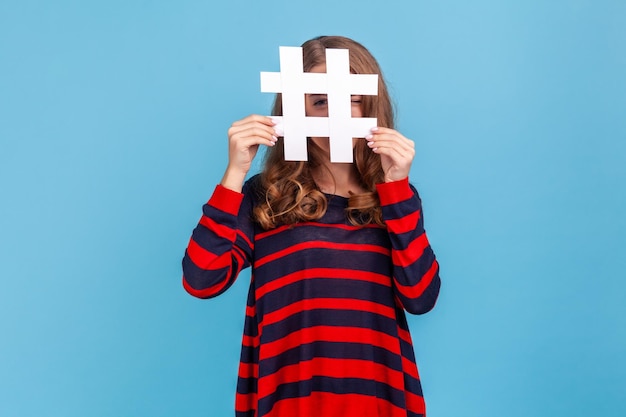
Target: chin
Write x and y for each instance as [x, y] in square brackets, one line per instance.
[323, 143]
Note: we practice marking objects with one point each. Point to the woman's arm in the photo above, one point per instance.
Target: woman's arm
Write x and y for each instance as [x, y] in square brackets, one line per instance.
[221, 245]
[416, 271]
[415, 268]
[244, 138]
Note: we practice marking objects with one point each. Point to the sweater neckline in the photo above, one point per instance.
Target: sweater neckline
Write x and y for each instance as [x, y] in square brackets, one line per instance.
[335, 199]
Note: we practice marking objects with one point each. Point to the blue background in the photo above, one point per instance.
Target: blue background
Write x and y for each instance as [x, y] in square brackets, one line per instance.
[113, 119]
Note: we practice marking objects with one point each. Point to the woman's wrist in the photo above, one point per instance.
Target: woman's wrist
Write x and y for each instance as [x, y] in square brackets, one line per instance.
[233, 179]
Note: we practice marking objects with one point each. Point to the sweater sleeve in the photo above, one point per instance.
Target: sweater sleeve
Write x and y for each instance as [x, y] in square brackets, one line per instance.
[221, 245]
[415, 269]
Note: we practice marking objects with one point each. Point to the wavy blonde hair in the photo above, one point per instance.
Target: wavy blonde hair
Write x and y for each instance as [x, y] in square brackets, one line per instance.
[288, 192]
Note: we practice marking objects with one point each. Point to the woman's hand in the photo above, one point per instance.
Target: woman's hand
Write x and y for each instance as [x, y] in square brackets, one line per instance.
[244, 138]
[396, 152]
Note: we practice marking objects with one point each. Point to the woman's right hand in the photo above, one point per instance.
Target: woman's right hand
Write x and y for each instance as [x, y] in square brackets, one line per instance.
[244, 138]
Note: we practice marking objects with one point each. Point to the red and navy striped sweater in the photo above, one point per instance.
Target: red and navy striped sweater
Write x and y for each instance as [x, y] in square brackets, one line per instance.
[325, 329]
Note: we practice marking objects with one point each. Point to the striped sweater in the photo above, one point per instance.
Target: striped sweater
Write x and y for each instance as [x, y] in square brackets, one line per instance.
[325, 329]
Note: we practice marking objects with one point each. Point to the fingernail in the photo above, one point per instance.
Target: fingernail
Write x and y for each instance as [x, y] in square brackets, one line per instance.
[370, 144]
[274, 138]
[374, 129]
[368, 137]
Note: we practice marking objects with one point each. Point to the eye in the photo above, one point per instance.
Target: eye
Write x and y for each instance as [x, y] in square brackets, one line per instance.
[356, 99]
[317, 100]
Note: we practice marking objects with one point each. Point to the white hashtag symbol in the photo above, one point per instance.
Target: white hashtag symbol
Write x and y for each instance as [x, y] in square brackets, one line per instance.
[339, 85]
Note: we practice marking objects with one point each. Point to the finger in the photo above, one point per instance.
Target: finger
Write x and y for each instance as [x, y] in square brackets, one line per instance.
[397, 139]
[391, 142]
[253, 136]
[251, 123]
[397, 156]
[251, 129]
[390, 134]
[255, 130]
[250, 142]
[255, 118]
[385, 132]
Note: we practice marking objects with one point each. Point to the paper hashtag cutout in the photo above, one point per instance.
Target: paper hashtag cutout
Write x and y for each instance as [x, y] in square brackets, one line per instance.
[339, 85]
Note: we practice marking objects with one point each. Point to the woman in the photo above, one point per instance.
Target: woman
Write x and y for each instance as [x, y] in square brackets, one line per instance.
[338, 253]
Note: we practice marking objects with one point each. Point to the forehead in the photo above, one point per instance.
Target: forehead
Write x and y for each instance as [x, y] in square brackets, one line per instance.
[318, 68]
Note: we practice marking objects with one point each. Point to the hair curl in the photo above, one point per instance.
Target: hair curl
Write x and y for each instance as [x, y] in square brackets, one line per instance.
[288, 191]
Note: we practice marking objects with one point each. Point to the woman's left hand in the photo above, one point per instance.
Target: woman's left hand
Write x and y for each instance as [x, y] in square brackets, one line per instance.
[396, 152]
